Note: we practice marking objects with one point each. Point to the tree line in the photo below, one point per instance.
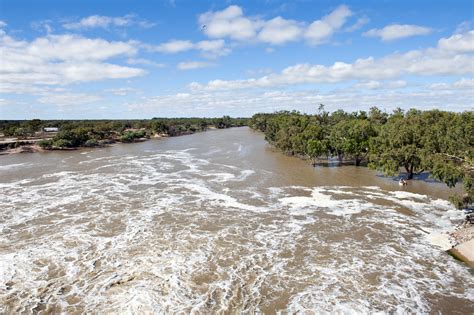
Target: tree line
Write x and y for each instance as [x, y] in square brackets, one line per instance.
[90, 133]
[438, 142]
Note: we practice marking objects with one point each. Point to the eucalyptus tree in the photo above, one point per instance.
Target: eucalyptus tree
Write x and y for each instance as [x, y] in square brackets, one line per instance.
[399, 144]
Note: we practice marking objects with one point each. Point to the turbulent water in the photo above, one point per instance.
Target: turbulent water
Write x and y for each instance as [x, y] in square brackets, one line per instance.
[218, 222]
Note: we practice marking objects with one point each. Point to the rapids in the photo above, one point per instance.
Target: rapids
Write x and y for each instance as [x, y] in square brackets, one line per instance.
[218, 222]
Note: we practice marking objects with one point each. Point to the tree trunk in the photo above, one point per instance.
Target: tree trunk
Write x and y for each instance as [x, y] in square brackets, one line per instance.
[407, 167]
[410, 172]
[340, 157]
[358, 160]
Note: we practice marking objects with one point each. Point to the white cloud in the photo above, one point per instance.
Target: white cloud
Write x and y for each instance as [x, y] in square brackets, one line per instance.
[44, 25]
[175, 46]
[321, 30]
[279, 31]
[122, 91]
[71, 47]
[441, 60]
[464, 83]
[371, 85]
[232, 23]
[358, 24]
[463, 27]
[210, 45]
[458, 42]
[2, 24]
[191, 65]
[145, 62]
[229, 22]
[68, 99]
[100, 21]
[397, 31]
[212, 48]
[378, 85]
[62, 59]
[248, 102]
[209, 48]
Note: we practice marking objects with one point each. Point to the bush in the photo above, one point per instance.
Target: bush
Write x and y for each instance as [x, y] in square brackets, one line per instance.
[45, 143]
[130, 136]
[460, 202]
[62, 143]
[127, 137]
[91, 143]
[140, 134]
[75, 137]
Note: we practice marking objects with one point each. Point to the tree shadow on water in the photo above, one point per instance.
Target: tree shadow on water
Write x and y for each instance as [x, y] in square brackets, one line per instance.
[423, 177]
[336, 163]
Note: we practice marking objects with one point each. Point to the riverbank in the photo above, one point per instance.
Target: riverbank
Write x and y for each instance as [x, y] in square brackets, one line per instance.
[459, 242]
[27, 147]
[463, 239]
[32, 145]
[71, 134]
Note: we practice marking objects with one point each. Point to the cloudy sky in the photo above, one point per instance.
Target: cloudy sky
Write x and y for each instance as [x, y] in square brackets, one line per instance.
[143, 59]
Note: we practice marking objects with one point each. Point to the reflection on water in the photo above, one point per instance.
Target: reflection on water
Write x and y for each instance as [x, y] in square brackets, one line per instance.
[218, 222]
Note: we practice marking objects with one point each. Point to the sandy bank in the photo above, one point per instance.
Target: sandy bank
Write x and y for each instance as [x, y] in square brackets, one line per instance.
[33, 148]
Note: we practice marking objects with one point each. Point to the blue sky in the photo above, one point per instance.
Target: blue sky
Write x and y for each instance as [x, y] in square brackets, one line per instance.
[143, 59]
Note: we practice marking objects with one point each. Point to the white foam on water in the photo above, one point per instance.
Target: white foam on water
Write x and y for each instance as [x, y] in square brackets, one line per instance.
[14, 166]
[320, 199]
[173, 232]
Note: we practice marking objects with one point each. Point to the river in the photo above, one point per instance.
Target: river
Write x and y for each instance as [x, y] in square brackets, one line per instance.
[219, 222]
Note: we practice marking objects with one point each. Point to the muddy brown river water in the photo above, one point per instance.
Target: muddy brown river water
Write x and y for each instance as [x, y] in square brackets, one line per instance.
[218, 222]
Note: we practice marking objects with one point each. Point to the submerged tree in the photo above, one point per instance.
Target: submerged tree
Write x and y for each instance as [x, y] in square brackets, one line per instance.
[450, 151]
[399, 144]
[436, 141]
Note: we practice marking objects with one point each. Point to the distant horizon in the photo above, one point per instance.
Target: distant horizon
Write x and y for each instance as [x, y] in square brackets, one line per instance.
[169, 59]
[246, 117]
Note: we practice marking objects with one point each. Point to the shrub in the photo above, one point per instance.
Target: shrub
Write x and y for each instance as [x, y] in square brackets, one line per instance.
[45, 143]
[127, 137]
[62, 143]
[91, 143]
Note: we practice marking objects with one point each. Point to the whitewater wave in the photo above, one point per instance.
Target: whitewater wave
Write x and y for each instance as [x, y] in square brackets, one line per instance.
[173, 231]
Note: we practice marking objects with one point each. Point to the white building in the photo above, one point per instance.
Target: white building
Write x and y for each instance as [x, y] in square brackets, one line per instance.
[50, 129]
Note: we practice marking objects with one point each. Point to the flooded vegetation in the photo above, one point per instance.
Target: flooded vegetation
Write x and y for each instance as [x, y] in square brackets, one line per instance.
[220, 222]
[438, 142]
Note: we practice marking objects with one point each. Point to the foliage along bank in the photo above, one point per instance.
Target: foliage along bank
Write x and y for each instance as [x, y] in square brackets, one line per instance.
[90, 133]
[435, 141]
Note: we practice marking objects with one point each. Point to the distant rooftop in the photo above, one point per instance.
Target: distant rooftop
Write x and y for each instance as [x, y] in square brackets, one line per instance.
[50, 129]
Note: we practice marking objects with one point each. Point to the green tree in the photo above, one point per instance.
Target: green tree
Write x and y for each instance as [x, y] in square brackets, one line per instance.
[315, 149]
[45, 143]
[377, 117]
[34, 125]
[399, 144]
[358, 138]
[62, 143]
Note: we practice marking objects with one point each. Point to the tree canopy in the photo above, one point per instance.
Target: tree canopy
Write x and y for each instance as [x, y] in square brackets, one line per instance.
[439, 142]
